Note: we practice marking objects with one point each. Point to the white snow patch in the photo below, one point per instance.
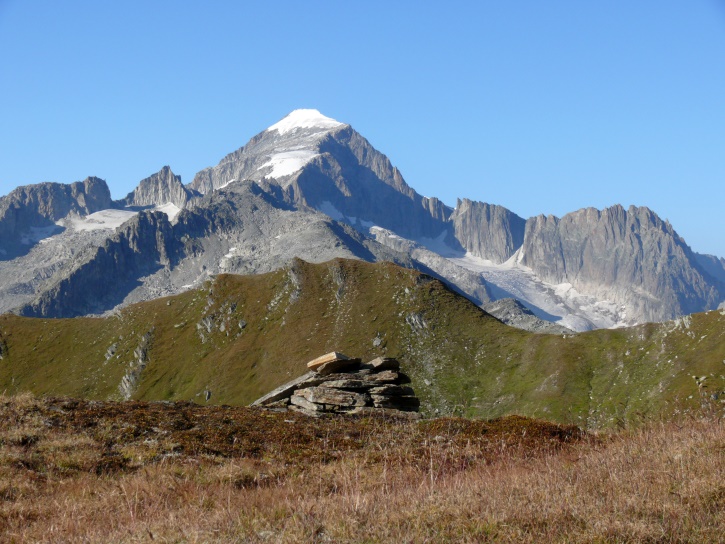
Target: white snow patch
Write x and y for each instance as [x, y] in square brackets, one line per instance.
[227, 183]
[170, 209]
[328, 209]
[104, 219]
[231, 252]
[384, 232]
[112, 219]
[304, 119]
[288, 162]
[438, 245]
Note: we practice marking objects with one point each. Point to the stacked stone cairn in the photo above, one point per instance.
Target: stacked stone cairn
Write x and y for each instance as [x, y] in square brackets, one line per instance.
[338, 384]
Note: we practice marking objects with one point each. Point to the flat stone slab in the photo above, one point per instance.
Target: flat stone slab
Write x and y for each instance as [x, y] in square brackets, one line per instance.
[327, 358]
[283, 391]
[340, 376]
[347, 384]
[302, 402]
[386, 376]
[326, 395]
[392, 390]
[308, 413]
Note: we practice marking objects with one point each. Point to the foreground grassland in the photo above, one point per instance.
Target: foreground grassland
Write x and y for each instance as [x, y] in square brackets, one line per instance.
[85, 471]
[238, 337]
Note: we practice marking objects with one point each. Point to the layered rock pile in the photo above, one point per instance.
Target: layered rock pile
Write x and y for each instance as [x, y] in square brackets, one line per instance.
[339, 384]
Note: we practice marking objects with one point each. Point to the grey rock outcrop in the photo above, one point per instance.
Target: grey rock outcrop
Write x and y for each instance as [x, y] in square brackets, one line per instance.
[358, 181]
[102, 276]
[240, 230]
[629, 256]
[160, 188]
[129, 381]
[488, 231]
[29, 213]
[515, 314]
[715, 266]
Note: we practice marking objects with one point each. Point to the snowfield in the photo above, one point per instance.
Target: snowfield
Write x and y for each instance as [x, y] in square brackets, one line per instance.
[561, 304]
[550, 302]
[111, 219]
[304, 119]
[105, 219]
[289, 162]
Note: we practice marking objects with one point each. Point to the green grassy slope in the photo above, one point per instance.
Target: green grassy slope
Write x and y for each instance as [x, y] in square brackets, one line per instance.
[241, 336]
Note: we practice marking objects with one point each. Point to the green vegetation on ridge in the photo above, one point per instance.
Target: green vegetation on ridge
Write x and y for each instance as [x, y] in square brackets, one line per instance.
[240, 336]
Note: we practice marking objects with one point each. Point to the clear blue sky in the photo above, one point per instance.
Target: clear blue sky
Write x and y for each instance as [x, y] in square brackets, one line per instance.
[540, 106]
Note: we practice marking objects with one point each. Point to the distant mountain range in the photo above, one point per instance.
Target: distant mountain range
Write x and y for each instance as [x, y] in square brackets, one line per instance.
[313, 188]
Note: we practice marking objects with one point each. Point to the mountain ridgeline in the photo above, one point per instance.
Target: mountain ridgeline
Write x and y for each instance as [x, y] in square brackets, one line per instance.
[160, 188]
[30, 212]
[312, 187]
[238, 337]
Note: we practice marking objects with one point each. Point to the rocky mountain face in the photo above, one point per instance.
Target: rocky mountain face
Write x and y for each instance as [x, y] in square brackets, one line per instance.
[629, 256]
[314, 161]
[160, 188]
[102, 275]
[715, 266]
[238, 230]
[30, 212]
[488, 231]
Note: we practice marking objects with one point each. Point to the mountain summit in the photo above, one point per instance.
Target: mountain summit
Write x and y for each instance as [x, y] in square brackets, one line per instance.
[275, 154]
[304, 119]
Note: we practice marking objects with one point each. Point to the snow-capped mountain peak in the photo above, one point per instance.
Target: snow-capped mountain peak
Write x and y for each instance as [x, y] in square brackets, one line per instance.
[304, 118]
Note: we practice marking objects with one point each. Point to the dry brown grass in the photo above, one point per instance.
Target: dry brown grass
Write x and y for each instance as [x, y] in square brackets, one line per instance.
[74, 471]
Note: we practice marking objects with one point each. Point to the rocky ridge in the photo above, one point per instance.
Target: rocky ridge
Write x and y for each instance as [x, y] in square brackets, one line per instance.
[628, 256]
[160, 188]
[488, 231]
[515, 314]
[241, 230]
[29, 213]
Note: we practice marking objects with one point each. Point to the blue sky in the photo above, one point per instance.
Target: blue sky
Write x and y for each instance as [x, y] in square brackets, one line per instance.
[543, 107]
